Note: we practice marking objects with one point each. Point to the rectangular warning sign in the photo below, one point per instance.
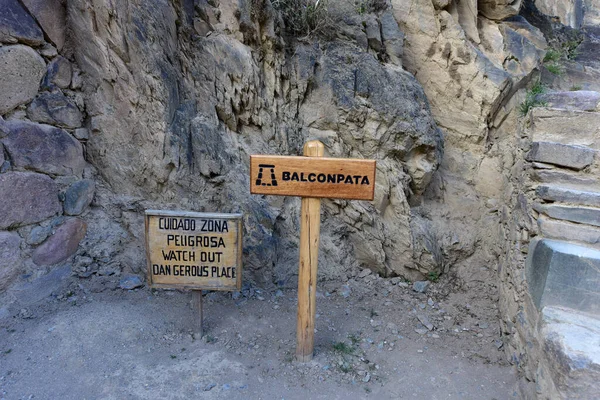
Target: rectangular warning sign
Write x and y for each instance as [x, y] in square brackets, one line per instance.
[190, 250]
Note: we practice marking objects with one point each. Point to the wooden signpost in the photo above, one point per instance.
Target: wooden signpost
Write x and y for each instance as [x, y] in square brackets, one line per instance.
[198, 251]
[312, 177]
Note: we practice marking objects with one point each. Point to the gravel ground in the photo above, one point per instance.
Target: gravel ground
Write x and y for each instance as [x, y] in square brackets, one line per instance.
[375, 339]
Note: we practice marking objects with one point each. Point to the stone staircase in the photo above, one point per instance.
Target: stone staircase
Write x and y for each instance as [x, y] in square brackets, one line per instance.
[563, 261]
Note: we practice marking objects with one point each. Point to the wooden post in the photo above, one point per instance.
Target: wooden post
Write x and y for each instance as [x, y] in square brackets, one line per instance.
[197, 306]
[310, 224]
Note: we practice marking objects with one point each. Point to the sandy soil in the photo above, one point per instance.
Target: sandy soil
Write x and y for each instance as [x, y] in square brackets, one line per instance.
[376, 339]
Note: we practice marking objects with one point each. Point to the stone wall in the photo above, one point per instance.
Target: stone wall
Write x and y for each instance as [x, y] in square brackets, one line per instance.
[45, 181]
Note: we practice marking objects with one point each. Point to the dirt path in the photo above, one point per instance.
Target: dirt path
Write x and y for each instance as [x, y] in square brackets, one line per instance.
[138, 345]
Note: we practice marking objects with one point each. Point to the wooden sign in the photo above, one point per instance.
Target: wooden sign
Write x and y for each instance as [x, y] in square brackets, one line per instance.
[190, 250]
[311, 177]
[336, 178]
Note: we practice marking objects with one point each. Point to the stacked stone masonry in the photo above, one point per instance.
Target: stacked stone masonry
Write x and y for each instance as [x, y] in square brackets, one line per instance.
[42, 165]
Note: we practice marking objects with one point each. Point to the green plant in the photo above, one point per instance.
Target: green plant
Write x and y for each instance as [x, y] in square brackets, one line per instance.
[552, 55]
[303, 18]
[433, 276]
[343, 348]
[575, 88]
[369, 6]
[210, 339]
[373, 313]
[354, 338]
[345, 368]
[554, 69]
[531, 99]
[173, 356]
[570, 48]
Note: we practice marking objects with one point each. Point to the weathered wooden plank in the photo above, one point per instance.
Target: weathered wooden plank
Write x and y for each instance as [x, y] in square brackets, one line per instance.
[190, 250]
[310, 225]
[336, 178]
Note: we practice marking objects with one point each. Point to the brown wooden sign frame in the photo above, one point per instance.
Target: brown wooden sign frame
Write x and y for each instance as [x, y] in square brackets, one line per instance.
[312, 176]
[236, 218]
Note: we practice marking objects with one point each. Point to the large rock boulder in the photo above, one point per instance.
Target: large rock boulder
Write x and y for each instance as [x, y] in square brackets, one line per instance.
[56, 109]
[21, 70]
[62, 244]
[43, 148]
[16, 25]
[52, 16]
[27, 198]
[10, 258]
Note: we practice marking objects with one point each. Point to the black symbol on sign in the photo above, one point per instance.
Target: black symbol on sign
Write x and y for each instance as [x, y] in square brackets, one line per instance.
[259, 180]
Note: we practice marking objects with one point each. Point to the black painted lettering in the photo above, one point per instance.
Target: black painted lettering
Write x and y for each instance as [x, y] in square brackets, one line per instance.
[348, 180]
[365, 181]
[312, 177]
[295, 176]
[321, 178]
[285, 176]
[330, 178]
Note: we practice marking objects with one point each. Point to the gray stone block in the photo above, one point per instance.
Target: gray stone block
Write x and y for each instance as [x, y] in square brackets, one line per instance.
[579, 128]
[10, 258]
[576, 157]
[56, 109]
[581, 100]
[582, 215]
[16, 25]
[62, 244]
[571, 344]
[79, 196]
[373, 33]
[21, 70]
[59, 73]
[561, 230]
[44, 148]
[52, 16]
[27, 198]
[567, 195]
[564, 178]
[564, 274]
[31, 293]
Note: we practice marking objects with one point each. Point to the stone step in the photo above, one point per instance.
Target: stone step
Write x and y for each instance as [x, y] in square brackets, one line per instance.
[564, 155]
[579, 128]
[568, 195]
[561, 230]
[582, 215]
[581, 100]
[564, 274]
[571, 343]
[566, 179]
[574, 75]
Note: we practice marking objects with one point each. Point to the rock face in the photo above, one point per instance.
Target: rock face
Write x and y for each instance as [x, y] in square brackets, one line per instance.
[43, 148]
[21, 70]
[10, 258]
[201, 126]
[62, 244]
[17, 25]
[569, 12]
[26, 198]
